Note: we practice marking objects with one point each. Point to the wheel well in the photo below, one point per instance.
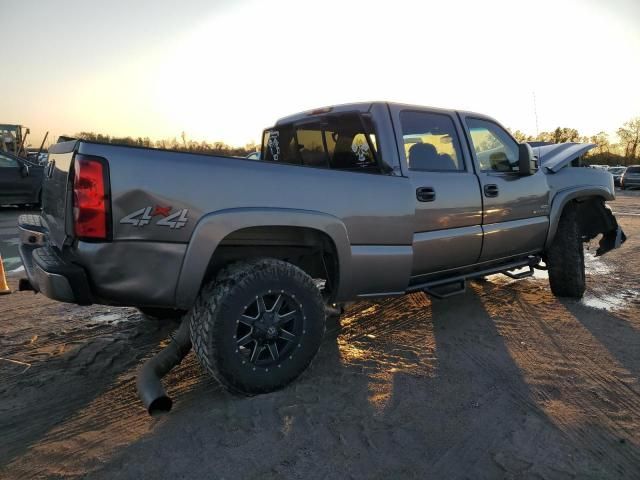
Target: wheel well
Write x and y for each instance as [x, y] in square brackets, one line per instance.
[311, 250]
[593, 217]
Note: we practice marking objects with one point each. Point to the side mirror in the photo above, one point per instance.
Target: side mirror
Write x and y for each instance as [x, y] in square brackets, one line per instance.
[24, 170]
[526, 160]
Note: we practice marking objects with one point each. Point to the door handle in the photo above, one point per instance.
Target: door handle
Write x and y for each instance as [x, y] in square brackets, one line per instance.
[425, 194]
[491, 190]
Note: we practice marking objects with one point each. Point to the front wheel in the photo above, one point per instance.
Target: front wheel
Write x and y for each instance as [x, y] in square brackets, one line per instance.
[258, 325]
[565, 257]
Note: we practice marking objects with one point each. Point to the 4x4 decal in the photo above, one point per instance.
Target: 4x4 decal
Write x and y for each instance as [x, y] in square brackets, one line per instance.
[145, 215]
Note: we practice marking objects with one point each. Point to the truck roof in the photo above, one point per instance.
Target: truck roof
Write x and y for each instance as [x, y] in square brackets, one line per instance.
[364, 107]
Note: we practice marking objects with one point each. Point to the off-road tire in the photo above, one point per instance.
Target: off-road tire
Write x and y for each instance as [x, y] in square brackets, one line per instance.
[565, 257]
[214, 320]
[160, 313]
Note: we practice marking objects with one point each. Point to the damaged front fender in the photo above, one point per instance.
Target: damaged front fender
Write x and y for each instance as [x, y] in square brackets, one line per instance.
[595, 218]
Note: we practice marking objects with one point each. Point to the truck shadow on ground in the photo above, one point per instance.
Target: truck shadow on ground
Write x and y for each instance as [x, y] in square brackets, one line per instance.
[495, 383]
[608, 328]
[409, 387]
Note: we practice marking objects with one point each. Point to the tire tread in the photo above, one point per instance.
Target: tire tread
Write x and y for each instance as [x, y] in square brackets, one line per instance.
[206, 324]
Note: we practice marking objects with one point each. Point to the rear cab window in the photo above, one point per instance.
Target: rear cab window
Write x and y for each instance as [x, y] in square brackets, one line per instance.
[345, 141]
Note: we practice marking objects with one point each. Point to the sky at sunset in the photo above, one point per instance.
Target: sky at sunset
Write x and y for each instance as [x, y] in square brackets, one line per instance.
[224, 70]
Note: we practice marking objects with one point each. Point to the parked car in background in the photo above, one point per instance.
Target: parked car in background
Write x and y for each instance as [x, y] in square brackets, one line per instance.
[631, 177]
[601, 167]
[254, 156]
[20, 180]
[617, 173]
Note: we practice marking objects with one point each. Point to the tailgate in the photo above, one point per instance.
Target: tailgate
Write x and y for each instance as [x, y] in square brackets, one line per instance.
[56, 193]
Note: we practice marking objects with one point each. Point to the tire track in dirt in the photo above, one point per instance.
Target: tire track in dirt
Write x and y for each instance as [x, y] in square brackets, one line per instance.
[409, 388]
[109, 422]
[72, 364]
[575, 390]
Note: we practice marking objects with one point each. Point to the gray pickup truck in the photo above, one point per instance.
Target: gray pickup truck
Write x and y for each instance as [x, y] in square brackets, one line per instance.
[346, 202]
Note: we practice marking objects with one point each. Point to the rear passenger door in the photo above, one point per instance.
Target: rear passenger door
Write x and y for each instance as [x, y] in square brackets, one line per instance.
[448, 206]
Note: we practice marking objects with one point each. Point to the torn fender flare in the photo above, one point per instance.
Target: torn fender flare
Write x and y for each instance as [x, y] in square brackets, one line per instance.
[596, 218]
[614, 237]
[580, 194]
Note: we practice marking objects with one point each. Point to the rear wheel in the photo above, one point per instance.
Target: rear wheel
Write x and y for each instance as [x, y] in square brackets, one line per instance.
[258, 325]
[565, 257]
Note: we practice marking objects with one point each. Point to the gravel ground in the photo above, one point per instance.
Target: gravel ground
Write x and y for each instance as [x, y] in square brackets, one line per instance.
[505, 381]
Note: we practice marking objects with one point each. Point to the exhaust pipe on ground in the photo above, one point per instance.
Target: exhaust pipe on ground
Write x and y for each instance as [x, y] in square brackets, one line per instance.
[150, 389]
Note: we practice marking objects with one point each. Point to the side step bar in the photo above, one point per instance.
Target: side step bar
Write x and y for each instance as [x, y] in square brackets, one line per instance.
[447, 287]
[518, 276]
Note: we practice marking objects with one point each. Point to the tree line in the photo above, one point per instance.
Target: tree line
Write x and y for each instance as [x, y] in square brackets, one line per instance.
[625, 152]
[183, 144]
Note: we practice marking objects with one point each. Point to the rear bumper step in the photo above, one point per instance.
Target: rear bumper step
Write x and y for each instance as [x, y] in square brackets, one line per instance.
[48, 272]
[32, 230]
[59, 279]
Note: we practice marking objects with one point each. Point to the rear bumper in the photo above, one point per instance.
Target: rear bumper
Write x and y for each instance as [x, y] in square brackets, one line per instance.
[134, 273]
[48, 273]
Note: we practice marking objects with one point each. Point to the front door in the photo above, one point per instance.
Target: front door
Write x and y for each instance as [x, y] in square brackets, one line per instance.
[515, 216]
[448, 210]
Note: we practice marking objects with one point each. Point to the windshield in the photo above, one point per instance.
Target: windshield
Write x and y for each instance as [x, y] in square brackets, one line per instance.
[616, 170]
[633, 170]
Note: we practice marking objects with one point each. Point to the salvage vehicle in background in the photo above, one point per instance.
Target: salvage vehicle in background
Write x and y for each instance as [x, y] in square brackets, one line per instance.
[20, 180]
[631, 177]
[617, 173]
[12, 139]
[346, 202]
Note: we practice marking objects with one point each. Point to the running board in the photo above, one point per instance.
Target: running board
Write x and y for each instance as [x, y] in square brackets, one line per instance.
[447, 287]
[440, 291]
[518, 276]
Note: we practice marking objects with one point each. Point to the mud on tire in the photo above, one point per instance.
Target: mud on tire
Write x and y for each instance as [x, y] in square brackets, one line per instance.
[258, 325]
[565, 256]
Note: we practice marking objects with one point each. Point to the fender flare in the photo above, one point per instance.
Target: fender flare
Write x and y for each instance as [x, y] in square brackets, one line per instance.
[565, 196]
[214, 227]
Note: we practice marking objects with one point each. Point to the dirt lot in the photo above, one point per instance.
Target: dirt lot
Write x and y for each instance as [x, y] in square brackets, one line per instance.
[505, 381]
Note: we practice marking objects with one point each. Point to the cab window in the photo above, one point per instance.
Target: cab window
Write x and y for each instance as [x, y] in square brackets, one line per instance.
[430, 142]
[339, 142]
[495, 150]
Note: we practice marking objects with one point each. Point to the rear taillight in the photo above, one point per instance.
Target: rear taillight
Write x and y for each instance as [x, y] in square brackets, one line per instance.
[90, 199]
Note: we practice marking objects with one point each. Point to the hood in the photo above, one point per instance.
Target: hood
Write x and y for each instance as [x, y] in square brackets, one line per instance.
[557, 155]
